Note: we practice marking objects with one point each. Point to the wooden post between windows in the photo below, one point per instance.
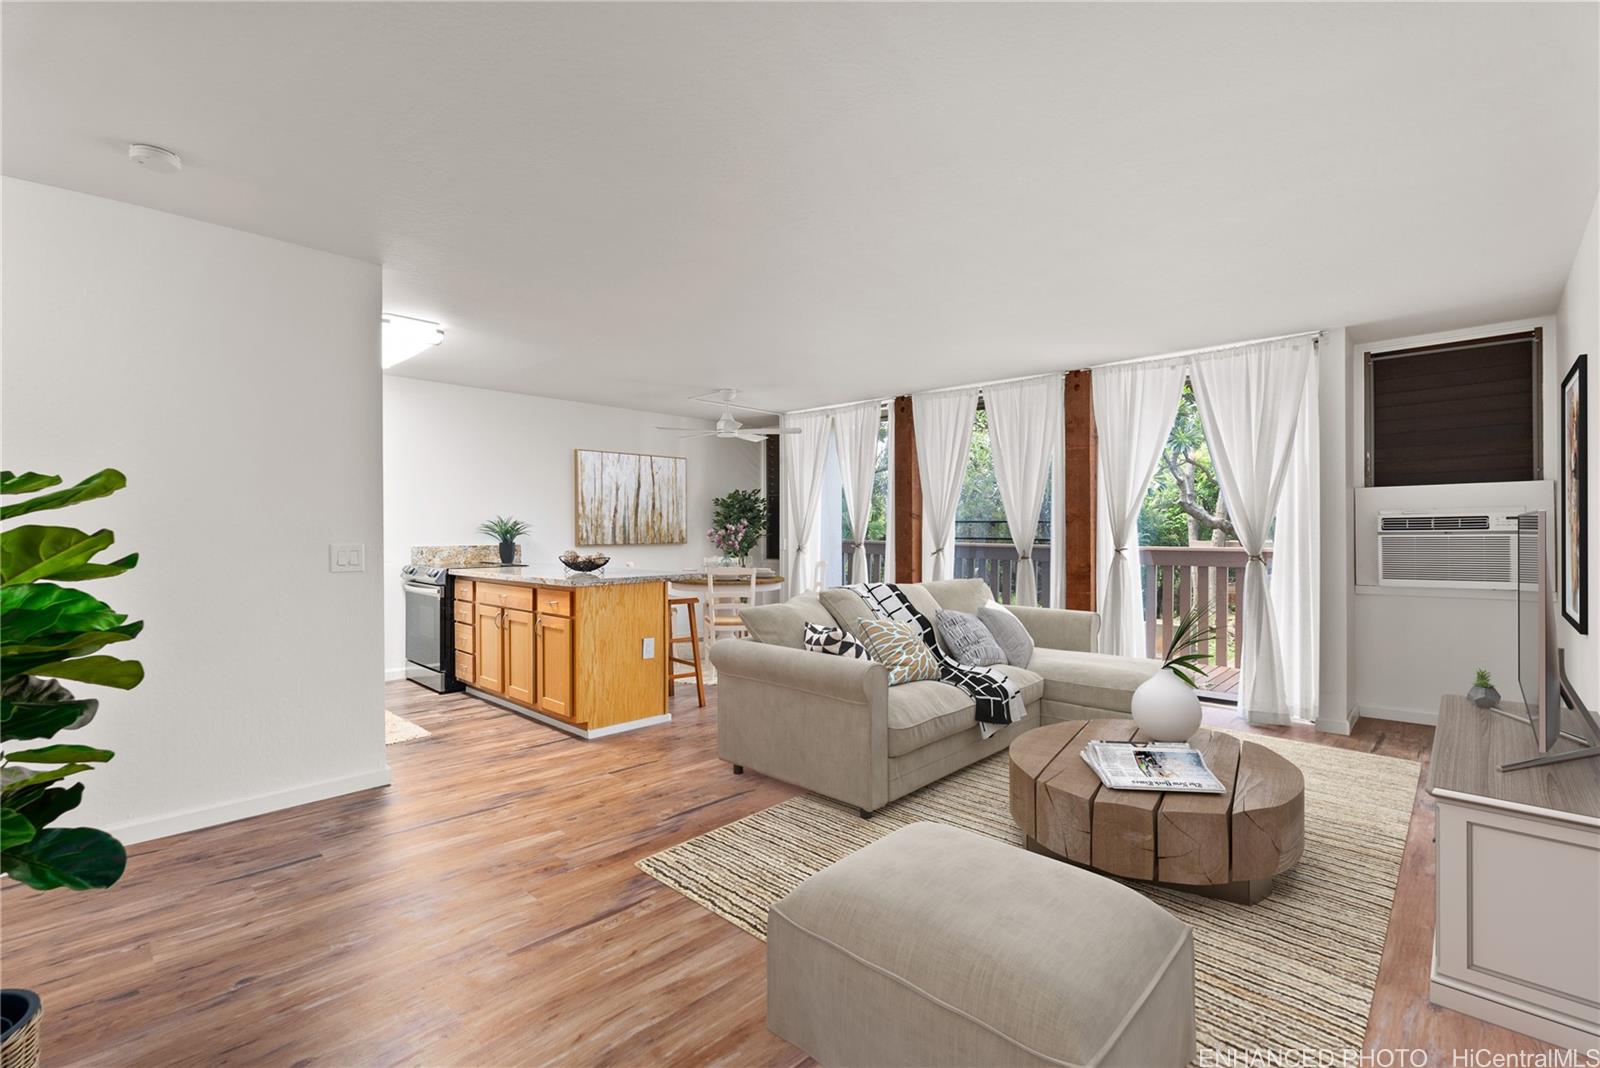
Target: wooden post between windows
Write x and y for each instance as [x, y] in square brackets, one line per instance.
[907, 496]
[1080, 486]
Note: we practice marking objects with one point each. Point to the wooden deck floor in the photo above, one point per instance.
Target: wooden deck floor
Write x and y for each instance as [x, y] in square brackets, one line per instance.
[1221, 682]
[485, 910]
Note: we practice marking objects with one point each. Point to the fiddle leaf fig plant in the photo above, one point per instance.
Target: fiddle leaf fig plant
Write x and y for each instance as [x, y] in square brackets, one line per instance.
[50, 632]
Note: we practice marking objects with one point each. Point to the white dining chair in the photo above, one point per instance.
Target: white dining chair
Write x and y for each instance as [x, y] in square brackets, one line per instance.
[727, 590]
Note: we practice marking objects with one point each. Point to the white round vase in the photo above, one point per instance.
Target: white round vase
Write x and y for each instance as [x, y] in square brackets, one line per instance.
[1166, 708]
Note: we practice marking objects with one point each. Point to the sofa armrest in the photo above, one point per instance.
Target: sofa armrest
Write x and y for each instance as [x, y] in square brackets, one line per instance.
[1060, 628]
[814, 720]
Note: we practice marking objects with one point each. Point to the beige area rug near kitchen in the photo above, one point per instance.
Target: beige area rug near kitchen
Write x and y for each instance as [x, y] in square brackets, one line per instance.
[397, 729]
[1295, 970]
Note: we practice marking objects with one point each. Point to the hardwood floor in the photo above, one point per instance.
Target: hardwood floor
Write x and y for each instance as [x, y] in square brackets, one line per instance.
[485, 910]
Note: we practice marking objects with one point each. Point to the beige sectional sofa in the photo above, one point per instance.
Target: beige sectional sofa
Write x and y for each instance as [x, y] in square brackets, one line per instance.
[835, 726]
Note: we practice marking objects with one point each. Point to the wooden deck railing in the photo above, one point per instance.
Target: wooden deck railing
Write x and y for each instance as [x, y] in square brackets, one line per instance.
[994, 562]
[1177, 579]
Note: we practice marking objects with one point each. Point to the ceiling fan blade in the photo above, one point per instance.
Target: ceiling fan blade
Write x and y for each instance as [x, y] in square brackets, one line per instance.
[697, 434]
[774, 430]
[747, 436]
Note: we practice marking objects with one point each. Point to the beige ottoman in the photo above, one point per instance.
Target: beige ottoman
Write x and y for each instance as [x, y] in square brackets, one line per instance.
[935, 946]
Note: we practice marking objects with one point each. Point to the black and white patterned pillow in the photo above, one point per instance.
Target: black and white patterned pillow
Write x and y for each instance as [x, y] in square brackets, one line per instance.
[820, 639]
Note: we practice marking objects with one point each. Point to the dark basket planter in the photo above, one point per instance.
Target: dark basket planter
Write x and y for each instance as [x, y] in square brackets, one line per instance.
[508, 551]
[19, 1028]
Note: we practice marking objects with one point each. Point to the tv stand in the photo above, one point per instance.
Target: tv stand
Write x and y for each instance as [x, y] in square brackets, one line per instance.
[1518, 878]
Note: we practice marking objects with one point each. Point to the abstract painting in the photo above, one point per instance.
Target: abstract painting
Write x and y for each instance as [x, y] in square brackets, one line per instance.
[625, 498]
[1575, 495]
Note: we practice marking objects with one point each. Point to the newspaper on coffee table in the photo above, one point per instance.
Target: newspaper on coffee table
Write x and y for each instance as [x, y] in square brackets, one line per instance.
[1173, 766]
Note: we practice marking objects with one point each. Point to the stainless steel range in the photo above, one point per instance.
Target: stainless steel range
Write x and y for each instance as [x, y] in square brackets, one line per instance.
[430, 628]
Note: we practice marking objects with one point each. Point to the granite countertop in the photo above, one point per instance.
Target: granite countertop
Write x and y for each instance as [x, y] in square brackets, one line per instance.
[538, 576]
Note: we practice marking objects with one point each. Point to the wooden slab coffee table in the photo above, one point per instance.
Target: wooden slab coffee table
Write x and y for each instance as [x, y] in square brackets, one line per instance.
[1226, 845]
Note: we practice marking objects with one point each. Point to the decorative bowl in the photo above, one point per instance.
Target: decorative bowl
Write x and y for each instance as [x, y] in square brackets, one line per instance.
[572, 560]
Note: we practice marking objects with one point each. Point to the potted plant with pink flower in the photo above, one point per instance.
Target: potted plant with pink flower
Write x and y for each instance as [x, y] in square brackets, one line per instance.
[738, 519]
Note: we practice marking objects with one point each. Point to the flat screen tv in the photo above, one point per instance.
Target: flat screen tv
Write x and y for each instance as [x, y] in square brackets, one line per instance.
[1541, 674]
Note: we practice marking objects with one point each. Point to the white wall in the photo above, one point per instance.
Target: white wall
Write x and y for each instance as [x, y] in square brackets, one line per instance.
[455, 456]
[1578, 329]
[235, 380]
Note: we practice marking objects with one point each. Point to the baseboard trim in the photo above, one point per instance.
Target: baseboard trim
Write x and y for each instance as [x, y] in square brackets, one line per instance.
[1401, 715]
[394, 674]
[585, 733]
[1334, 726]
[195, 819]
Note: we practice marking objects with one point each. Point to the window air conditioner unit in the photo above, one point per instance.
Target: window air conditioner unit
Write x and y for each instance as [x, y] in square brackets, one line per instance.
[1451, 549]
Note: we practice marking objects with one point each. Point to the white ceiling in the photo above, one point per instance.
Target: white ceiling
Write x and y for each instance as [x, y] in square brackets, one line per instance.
[630, 203]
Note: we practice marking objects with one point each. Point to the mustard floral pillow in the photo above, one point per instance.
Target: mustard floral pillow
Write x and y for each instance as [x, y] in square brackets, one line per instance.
[900, 648]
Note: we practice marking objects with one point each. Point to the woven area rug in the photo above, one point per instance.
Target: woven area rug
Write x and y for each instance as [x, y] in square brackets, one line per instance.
[1295, 970]
[397, 729]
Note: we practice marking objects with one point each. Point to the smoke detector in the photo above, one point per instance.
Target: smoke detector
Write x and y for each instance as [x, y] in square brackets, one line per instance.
[152, 158]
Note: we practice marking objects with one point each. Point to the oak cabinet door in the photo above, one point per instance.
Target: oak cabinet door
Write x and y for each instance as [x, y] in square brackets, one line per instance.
[490, 649]
[519, 654]
[554, 644]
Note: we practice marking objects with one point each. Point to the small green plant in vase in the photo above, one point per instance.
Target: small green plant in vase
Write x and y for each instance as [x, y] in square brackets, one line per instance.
[506, 531]
[1483, 694]
[1165, 706]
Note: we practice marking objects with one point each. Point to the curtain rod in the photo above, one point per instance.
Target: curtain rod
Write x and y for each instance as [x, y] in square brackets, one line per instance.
[1313, 334]
[941, 389]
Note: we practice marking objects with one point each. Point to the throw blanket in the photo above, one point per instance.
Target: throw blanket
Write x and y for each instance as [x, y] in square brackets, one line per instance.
[997, 700]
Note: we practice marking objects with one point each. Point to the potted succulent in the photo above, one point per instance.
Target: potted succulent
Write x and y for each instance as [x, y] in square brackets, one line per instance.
[738, 520]
[50, 632]
[1483, 694]
[506, 531]
[1165, 706]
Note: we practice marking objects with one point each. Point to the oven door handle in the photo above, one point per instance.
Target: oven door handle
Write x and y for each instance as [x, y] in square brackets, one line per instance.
[429, 591]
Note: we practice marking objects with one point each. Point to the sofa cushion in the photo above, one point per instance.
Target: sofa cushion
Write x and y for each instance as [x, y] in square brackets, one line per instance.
[960, 595]
[900, 648]
[834, 641]
[963, 636]
[1092, 680]
[1031, 683]
[1009, 632]
[846, 608]
[923, 712]
[785, 624]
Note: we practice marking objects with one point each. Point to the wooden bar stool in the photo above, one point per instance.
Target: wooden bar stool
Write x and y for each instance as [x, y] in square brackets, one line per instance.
[674, 660]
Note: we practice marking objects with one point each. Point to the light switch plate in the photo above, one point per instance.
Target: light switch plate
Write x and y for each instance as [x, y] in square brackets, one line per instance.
[649, 648]
[347, 556]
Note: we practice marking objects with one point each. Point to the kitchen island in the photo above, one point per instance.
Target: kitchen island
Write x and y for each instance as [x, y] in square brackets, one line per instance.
[585, 653]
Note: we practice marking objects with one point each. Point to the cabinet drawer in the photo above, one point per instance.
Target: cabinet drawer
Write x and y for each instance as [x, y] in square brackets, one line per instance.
[464, 669]
[463, 611]
[464, 590]
[553, 602]
[464, 638]
[518, 597]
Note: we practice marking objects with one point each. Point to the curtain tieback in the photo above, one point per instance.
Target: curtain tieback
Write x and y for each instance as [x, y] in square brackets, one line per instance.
[1257, 558]
[939, 551]
[1025, 556]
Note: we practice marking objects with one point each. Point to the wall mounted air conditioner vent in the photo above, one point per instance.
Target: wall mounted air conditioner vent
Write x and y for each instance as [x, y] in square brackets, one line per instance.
[1454, 550]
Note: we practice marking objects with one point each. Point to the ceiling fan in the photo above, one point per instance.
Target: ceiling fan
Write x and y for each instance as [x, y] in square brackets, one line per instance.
[727, 425]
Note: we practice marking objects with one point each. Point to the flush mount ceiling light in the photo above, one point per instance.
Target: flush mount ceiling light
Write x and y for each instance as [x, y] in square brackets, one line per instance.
[405, 337]
[158, 160]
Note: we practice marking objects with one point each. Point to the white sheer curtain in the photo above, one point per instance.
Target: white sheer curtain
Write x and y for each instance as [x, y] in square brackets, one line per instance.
[944, 430]
[1252, 400]
[855, 433]
[1296, 572]
[1025, 435]
[804, 456]
[1134, 406]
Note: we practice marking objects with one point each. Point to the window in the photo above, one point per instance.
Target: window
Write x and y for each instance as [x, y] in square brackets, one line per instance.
[983, 537]
[1467, 411]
